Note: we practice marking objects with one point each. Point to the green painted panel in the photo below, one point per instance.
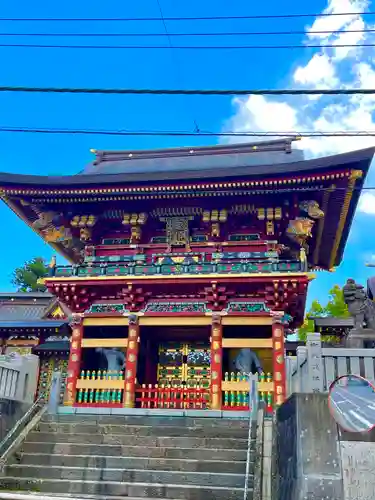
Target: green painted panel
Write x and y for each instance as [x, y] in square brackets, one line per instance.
[117, 270]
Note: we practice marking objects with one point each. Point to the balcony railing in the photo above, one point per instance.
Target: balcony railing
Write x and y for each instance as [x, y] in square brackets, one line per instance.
[235, 388]
[172, 397]
[110, 269]
[100, 388]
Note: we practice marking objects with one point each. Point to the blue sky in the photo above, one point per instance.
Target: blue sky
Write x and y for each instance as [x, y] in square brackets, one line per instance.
[67, 154]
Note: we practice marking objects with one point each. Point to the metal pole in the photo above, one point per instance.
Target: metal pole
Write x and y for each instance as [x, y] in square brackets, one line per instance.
[253, 409]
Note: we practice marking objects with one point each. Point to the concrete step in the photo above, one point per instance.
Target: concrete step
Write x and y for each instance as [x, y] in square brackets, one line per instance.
[144, 430]
[49, 496]
[108, 488]
[162, 441]
[157, 421]
[121, 462]
[64, 448]
[123, 475]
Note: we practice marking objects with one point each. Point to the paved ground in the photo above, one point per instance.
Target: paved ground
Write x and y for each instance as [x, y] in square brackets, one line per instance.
[353, 407]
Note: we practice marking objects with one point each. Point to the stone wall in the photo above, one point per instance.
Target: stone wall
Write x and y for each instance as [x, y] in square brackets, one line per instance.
[10, 412]
[19, 377]
[314, 460]
[308, 461]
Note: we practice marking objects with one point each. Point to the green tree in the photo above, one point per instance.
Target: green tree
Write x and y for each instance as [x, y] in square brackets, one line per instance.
[335, 308]
[27, 278]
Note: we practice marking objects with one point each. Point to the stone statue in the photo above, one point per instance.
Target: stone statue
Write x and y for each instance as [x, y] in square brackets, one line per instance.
[359, 305]
[247, 361]
[115, 358]
[362, 309]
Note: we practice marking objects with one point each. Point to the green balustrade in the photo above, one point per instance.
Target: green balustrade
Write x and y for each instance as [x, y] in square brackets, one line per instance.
[94, 395]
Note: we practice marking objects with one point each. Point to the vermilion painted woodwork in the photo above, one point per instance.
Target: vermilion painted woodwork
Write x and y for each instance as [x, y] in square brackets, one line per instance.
[131, 362]
[74, 363]
[279, 373]
[216, 362]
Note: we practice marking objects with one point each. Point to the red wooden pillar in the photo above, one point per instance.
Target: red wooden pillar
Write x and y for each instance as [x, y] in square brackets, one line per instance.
[131, 361]
[216, 361]
[279, 374]
[75, 355]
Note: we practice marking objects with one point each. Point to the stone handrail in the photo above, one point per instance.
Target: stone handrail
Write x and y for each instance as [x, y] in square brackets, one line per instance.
[316, 367]
[253, 414]
[20, 430]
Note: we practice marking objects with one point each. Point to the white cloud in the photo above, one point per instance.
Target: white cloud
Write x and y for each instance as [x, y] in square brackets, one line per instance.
[366, 203]
[319, 71]
[335, 23]
[328, 68]
[259, 112]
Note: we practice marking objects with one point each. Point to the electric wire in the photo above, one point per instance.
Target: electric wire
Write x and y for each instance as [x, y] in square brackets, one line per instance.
[189, 18]
[187, 47]
[175, 62]
[222, 92]
[222, 33]
[202, 133]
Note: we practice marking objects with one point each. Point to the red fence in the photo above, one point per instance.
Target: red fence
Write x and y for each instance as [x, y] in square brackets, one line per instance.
[172, 398]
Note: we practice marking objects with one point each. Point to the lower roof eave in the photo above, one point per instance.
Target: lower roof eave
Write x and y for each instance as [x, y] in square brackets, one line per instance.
[32, 324]
[181, 278]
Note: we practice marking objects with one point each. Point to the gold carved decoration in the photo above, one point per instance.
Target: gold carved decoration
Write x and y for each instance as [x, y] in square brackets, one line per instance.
[215, 230]
[85, 234]
[279, 359]
[270, 227]
[311, 208]
[354, 176]
[319, 232]
[57, 235]
[215, 217]
[300, 229]
[177, 229]
[83, 221]
[135, 221]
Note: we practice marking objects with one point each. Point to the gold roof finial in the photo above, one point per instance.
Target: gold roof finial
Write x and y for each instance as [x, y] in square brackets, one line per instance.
[93, 151]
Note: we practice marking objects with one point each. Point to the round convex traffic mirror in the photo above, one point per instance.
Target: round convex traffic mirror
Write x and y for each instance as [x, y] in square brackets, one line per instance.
[351, 402]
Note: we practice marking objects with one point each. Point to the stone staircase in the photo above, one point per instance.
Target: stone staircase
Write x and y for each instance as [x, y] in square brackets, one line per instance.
[135, 457]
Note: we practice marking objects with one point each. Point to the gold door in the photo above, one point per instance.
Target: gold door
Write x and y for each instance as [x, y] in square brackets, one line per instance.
[184, 364]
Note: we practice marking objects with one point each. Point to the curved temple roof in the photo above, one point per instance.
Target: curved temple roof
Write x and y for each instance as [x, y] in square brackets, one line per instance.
[229, 167]
[201, 158]
[233, 165]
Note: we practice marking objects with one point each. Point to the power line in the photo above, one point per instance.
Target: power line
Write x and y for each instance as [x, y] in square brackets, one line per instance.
[223, 33]
[174, 59]
[355, 133]
[197, 47]
[195, 18]
[72, 90]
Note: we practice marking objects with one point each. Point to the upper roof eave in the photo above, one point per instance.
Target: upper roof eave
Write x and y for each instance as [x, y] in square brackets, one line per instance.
[217, 148]
[333, 162]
